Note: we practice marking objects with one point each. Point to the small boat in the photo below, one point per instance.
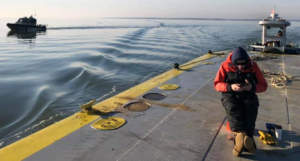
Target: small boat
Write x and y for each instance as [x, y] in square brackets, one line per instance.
[26, 24]
[274, 36]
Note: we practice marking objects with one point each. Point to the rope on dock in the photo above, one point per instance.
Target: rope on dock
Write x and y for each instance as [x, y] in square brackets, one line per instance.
[278, 79]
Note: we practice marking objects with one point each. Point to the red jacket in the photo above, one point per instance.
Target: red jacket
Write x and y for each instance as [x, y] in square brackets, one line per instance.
[228, 75]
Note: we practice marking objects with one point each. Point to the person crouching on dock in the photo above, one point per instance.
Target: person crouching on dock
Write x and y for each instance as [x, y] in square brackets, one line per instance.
[239, 78]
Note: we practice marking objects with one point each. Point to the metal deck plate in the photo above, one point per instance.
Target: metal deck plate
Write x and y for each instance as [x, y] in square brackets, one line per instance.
[88, 144]
[293, 99]
[154, 96]
[188, 124]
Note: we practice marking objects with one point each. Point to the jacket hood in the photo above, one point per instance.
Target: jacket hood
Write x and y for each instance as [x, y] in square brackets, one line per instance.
[238, 54]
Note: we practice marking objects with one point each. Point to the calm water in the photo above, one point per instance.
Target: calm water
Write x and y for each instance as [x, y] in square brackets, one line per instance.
[45, 76]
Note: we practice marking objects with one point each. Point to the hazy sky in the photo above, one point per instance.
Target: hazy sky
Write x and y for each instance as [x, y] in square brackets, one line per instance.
[247, 9]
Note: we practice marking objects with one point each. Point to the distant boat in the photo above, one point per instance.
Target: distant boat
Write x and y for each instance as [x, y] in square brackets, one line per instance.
[26, 24]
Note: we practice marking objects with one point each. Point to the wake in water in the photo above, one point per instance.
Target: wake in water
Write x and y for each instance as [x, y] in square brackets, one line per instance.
[96, 27]
[118, 25]
[108, 94]
[46, 122]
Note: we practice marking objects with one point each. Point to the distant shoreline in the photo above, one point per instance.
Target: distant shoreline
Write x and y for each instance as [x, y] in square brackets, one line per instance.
[215, 19]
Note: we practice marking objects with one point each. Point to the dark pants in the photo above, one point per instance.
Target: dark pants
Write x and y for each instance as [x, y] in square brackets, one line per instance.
[241, 113]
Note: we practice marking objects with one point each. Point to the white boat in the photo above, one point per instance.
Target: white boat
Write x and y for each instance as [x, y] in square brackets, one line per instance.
[274, 36]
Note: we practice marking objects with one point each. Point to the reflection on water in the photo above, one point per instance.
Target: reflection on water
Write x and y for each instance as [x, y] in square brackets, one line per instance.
[24, 37]
[29, 36]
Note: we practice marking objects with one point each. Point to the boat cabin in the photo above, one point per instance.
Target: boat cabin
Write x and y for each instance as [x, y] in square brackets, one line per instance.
[274, 30]
[26, 20]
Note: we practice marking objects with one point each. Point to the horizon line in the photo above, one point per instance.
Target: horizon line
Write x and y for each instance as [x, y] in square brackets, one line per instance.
[170, 18]
[192, 18]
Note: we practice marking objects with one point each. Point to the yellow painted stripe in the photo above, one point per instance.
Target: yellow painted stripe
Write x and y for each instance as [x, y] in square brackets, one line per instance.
[43, 138]
[39, 140]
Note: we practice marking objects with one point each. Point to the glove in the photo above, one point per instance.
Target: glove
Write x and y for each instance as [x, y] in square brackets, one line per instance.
[266, 138]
